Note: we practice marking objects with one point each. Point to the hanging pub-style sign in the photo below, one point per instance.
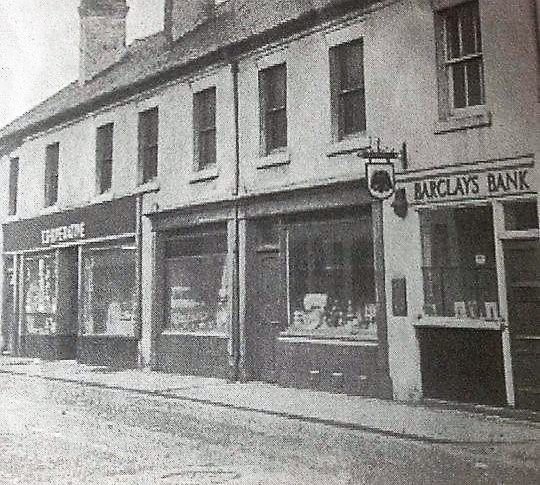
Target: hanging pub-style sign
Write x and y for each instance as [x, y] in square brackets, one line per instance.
[380, 176]
[381, 179]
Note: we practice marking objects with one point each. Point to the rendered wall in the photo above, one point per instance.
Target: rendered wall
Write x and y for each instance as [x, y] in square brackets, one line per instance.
[401, 104]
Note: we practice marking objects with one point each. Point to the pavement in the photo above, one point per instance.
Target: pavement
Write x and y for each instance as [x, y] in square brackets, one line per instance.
[426, 422]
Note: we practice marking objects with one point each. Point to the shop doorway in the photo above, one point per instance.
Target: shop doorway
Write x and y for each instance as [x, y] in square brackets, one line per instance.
[270, 311]
[522, 262]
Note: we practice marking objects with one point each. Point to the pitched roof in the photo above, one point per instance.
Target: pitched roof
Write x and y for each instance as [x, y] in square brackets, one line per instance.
[151, 61]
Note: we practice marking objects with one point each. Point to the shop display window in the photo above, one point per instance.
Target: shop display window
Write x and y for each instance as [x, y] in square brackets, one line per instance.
[40, 300]
[460, 277]
[109, 299]
[197, 280]
[521, 215]
[331, 278]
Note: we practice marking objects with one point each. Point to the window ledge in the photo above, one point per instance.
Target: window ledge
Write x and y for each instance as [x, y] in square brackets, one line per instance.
[50, 209]
[348, 145]
[104, 197]
[321, 340]
[209, 333]
[111, 336]
[150, 186]
[11, 218]
[455, 322]
[274, 159]
[204, 175]
[464, 121]
[523, 234]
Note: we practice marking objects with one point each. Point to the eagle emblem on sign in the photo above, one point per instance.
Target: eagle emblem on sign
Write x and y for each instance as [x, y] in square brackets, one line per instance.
[380, 179]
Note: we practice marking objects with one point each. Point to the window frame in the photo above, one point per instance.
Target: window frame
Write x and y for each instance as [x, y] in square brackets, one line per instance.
[104, 156]
[89, 292]
[352, 265]
[204, 106]
[14, 167]
[338, 63]
[447, 264]
[52, 162]
[446, 63]
[182, 244]
[268, 110]
[148, 144]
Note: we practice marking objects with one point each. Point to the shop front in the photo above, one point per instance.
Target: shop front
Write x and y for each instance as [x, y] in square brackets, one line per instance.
[479, 330]
[193, 292]
[285, 288]
[315, 294]
[74, 292]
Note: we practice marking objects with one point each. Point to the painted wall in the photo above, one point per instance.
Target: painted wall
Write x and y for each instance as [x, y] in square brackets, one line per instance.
[401, 95]
[401, 104]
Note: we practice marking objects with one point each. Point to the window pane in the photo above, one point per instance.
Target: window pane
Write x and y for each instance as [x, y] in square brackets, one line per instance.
[277, 87]
[452, 35]
[521, 215]
[105, 179]
[207, 148]
[51, 173]
[198, 291]
[40, 303]
[151, 126]
[460, 277]
[150, 155]
[108, 292]
[13, 185]
[205, 102]
[104, 141]
[276, 126]
[148, 143]
[474, 81]
[458, 82]
[468, 27]
[204, 127]
[331, 278]
[104, 153]
[351, 61]
[353, 112]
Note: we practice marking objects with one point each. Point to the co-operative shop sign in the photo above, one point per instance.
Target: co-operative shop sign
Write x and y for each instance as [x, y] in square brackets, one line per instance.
[475, 185]
[60, 234]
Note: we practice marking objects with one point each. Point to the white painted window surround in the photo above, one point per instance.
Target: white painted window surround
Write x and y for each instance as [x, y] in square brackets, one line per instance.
[333, 38]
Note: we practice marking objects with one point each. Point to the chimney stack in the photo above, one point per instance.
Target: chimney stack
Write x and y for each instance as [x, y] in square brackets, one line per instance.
[102, 35]
[183, 16]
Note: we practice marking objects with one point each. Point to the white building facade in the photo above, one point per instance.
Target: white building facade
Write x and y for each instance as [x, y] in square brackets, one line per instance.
[196, 203]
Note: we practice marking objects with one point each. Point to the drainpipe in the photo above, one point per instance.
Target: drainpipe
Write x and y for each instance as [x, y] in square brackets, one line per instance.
[138, 274]
[236, 333]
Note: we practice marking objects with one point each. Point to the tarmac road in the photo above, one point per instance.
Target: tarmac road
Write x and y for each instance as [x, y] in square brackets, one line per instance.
[59, 433]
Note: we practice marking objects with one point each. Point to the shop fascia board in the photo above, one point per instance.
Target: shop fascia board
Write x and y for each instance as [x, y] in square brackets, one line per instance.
[518, 161]
[268, 196]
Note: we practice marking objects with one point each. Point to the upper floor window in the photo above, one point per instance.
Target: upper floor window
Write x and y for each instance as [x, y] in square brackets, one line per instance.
[13, 185]
[52, 155]
[148, 144]
[461, 76]
[104, 157]
[273, 108]
[347, 88]
[204, 128]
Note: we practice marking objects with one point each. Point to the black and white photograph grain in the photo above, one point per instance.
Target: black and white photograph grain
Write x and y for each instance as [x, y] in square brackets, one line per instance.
[269, 242]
